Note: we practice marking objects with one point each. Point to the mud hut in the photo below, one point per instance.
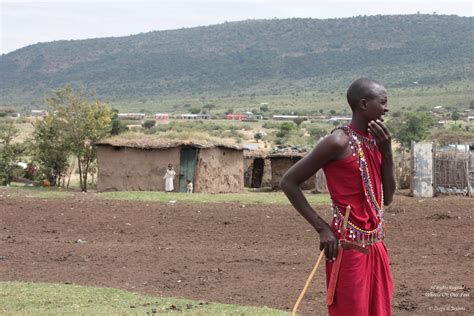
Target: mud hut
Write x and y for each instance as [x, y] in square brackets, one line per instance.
[139, 165]
[257, 169]
[281, 162]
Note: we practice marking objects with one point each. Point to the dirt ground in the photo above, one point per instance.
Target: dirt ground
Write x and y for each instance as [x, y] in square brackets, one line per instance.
[233, 253]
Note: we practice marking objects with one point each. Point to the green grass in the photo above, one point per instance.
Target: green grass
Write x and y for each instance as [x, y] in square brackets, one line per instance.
[18, 298]
[20, 190]
[455, 95]
[247, 197]
[244, 198]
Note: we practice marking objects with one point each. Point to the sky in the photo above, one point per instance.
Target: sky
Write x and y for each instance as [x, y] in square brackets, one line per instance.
[26, 22]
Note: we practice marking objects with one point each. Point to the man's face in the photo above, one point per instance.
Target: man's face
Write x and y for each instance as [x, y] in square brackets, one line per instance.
[378, 105]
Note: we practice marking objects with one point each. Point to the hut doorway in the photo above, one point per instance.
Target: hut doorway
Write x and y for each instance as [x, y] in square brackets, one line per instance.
[257, 173]
[188, 159]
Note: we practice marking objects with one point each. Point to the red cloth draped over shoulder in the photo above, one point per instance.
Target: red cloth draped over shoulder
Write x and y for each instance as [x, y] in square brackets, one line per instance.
[364, 286]
[345, 185]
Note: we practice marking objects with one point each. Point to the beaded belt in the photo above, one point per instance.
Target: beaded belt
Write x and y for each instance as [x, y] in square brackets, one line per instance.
[357, 234]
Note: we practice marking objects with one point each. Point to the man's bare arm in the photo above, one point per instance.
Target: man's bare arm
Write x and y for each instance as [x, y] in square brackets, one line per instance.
[332, 147]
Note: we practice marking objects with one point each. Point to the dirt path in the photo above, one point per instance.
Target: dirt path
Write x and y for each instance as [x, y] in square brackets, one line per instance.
[253, 255]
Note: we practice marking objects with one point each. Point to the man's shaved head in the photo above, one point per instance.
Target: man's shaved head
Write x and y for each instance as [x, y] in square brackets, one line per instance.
[362, 88]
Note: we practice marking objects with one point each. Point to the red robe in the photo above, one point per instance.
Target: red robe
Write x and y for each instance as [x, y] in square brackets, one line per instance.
[364, 285]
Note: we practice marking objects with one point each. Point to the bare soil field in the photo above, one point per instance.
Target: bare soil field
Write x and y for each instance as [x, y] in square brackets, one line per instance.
[232, 253]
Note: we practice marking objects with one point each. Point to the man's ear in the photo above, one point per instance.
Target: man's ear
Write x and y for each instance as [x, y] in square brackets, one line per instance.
[363, 104]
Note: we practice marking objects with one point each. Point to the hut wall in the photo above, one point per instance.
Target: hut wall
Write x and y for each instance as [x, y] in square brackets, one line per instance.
[132, 169]
[280, 165]
[220, 170]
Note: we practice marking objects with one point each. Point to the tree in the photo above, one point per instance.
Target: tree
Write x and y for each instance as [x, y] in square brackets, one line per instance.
[411, 127]
[455, 116]
[84, 123]
[258, 136]
[298, 121]
[287, 126]
[51, 150]
[7, 132]
[316, 133]
[10, 153]
[149, 124]
[209, 107]
[118, 126]
[264, 107]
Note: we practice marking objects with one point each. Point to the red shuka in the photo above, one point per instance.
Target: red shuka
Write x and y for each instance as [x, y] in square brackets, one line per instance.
[364, 285]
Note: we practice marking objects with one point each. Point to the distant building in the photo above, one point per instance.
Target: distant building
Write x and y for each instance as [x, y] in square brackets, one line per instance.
[195, 117]
[340, 119]
[244, 117]
[236, 116]
[131, 116]
[253, 118]
[285, 117]
[162, 118]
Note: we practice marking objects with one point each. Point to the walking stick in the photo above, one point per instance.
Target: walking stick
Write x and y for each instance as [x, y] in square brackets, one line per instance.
[303, 292]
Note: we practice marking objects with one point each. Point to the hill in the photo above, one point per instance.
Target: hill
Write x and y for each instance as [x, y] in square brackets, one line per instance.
[255, 57]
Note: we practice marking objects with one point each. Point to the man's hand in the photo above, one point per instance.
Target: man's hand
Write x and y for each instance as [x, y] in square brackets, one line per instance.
[328, 242]
[384, 142]
[382, 135]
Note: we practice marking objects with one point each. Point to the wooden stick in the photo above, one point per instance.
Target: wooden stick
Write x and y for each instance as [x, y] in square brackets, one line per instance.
[303, 292]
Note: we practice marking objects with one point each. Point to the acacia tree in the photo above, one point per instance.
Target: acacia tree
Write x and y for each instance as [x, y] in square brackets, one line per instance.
[411, 127]
[84, 122]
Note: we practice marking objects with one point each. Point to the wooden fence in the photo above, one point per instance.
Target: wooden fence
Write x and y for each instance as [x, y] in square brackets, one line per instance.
[454, 170]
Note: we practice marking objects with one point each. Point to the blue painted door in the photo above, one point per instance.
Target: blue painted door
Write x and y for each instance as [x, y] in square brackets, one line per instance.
[187, 167]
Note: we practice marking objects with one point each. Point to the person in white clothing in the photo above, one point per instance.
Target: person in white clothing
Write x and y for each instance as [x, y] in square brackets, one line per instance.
[169, 178]
[189, 186]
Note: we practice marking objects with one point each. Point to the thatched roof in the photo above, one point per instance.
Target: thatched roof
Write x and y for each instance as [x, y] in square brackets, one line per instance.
[258, 153]
[147, 142]
[287, 155]
[283, 151]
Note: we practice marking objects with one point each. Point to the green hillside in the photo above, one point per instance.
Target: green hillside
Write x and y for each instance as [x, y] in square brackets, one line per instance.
[247, 59]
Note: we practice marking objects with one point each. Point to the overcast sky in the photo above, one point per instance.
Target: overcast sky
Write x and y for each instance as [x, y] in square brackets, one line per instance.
[25, 22]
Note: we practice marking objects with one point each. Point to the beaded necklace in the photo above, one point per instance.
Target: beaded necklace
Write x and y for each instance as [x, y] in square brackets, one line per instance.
[356, 142]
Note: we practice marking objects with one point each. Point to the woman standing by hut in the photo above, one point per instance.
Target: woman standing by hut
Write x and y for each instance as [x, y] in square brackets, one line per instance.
[169, 178]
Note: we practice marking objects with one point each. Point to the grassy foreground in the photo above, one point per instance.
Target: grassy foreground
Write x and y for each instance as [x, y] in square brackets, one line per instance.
[18, 298]
[20, 190]
[244, 198]
[247, 197]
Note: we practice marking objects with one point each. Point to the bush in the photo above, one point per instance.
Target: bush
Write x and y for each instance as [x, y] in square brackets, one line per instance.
[149, 124]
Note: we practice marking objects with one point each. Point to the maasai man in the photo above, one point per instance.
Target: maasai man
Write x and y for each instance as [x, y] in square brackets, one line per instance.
[357, 161]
